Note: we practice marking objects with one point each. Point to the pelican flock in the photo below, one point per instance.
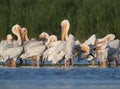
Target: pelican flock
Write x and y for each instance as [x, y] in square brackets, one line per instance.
[51, 49]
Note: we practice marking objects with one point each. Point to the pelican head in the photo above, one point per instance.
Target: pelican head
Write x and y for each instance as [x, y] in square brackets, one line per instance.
[24, 34]
[85, 48]
[52, 38]
[65, 27]
[110, 37]
[9, 37]
[43, 36]
[16, 31]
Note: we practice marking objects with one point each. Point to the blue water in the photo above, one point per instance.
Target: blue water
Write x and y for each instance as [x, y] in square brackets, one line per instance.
[60, 78]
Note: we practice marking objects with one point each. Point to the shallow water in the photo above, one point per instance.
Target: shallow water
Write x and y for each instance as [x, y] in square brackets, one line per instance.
[60, 78]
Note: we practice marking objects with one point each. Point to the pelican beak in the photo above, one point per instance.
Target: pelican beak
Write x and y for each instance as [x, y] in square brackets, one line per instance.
[9, 37]
[16, 30]
[48, 41]
[19, 33]
[22, 34]
[26, 36]
[40, 37]
[63, 33]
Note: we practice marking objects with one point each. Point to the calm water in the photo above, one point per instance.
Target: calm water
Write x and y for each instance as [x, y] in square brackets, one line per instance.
[60, 78]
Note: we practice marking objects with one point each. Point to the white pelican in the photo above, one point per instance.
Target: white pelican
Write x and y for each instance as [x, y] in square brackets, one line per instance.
[43, 37]
[59, 50]
[101, 48]
[11, 50]
[113, 51]
[64, 48]
[105, 49]
[25, 39]
[24, 34]
[98, 43]
[6, 43]
[70, 41]
[51, 44]
[86, 49]
[34, 49]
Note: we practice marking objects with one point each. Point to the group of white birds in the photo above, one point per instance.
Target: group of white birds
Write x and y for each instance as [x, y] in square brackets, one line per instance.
[49, 48]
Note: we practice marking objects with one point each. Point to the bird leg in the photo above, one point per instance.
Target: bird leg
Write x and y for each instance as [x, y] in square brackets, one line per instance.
[93, 63]
[115, 62]
[33, 62]
[60, 64]
[66, 63]
[38, 63]
[42, 62]
[13, 63]
[39, 60]
[98, 63]
[104, 64]
[8, 62]
[21, 61]
[71, 62]
[88, 62]
[109, 65]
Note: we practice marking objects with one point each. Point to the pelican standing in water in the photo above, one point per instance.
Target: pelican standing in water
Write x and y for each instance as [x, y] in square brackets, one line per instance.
[11, 50]
[65, 47]
[101, 49]
[34, 49]
[86, 49]
[25, 39]
[51, 44]
[105, 49]
[5, 44]
[70, 42]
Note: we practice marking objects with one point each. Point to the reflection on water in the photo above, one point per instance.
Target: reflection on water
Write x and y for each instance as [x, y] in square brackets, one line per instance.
[60, 78]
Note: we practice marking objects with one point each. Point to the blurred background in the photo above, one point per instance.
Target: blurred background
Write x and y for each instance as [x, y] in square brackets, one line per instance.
[86, 17]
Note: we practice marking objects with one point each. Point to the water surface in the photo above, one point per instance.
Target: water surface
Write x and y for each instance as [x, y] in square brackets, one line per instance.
[59, 78]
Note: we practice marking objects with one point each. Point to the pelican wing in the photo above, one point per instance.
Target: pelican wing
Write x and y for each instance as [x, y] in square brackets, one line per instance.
[11, 53]
[91, 40]
[70, 45]
[47, 53]
[114, 44]
[34, 51]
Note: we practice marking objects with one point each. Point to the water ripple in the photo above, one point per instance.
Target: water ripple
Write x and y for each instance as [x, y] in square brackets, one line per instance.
[78, 73]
